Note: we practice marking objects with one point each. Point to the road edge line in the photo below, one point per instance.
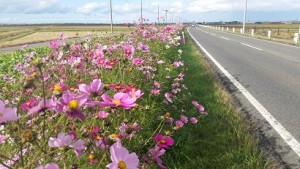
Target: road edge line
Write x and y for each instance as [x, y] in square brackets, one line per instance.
[284, 134]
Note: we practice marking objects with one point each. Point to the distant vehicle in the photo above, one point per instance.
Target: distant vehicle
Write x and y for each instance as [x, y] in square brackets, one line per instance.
[193, 25]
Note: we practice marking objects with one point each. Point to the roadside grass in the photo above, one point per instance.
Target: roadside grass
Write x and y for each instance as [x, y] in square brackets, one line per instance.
[223, 139]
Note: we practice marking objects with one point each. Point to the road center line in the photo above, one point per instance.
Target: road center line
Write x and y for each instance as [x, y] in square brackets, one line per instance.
[213, 34]
[287, 137]
[250, 46]
[224, 38]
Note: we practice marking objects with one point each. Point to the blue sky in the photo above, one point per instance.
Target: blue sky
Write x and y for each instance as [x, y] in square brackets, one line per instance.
[128, 11]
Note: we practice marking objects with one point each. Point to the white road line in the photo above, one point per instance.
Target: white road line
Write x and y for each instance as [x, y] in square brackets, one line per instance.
[213, 34]
[250, 46]
[224, 38]
[287, 137]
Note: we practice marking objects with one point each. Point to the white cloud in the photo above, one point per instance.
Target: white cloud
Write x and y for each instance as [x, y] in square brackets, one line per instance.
[90, 8]
[127, 8]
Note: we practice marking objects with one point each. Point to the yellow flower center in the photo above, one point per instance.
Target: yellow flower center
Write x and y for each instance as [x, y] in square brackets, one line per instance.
[28, 103]
[1, 115]
[122, 165]
[128, 51]
[114, 136]
[73, 104]
[57, 88]
[117, 102]
[91, 157]
[168, 114]
[98, 137]
[163, 141]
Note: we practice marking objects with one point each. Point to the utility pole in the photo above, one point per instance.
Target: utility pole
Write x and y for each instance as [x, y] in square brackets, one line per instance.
[166, 16]
[173, 18]
[245, 13]
[111, 19]
[157, 14]
[141, 11]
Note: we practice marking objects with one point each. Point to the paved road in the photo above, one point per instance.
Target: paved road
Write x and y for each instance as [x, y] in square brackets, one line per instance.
[269, 71]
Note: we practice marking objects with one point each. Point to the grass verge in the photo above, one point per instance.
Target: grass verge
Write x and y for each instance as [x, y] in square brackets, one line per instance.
[221, 140]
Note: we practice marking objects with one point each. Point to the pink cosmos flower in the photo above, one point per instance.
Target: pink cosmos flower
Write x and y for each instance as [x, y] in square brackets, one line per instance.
[117, 87]
[98, 53]
[110, 64]
[160, 62]
[131, 88]
[128, 50]
[199, 106]
[101, 142]
[170, 120]
[168, 97]
[49, 104]
[64, 140]
[157, 84]
[163, 141]
[49, 166]
[137, 61]
[123, 100]
[71, 103]
[2, 138]
[194, 120]
[195, 103]
[94, 88]
[168, 28]
[179, 123]
[7, 114]
[28, 104]
[184, 119]
[144, 48]
[54, 45]
[178, 64]
[103, 115]
[136, 94]
[155, 92]
[155, 153]
[121, 158]
[75, 47]
[100, 61]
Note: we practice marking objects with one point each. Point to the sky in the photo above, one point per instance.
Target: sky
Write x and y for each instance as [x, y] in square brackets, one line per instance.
[129, 11]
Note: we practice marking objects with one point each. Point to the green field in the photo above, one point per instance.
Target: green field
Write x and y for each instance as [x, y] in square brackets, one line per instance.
[25, 34]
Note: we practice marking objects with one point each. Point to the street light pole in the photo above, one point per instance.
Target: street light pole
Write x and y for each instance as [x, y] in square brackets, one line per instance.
[141, 11]
[166, 15]
[245, 13]
[111, 20]
[158, 14]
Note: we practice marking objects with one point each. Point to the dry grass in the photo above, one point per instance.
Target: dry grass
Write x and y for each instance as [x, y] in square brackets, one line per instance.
[19, 35]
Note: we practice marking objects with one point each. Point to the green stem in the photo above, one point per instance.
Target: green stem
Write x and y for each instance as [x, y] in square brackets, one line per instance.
[44, 99]
[158, 128]
[40, 157]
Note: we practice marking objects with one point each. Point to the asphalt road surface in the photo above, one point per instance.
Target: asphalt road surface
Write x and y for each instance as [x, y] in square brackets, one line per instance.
[270, 72]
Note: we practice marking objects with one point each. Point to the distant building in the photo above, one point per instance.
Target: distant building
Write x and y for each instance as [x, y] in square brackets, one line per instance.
[293, 22]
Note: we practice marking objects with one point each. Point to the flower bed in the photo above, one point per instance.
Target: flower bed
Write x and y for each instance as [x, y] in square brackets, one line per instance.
[114, 102]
